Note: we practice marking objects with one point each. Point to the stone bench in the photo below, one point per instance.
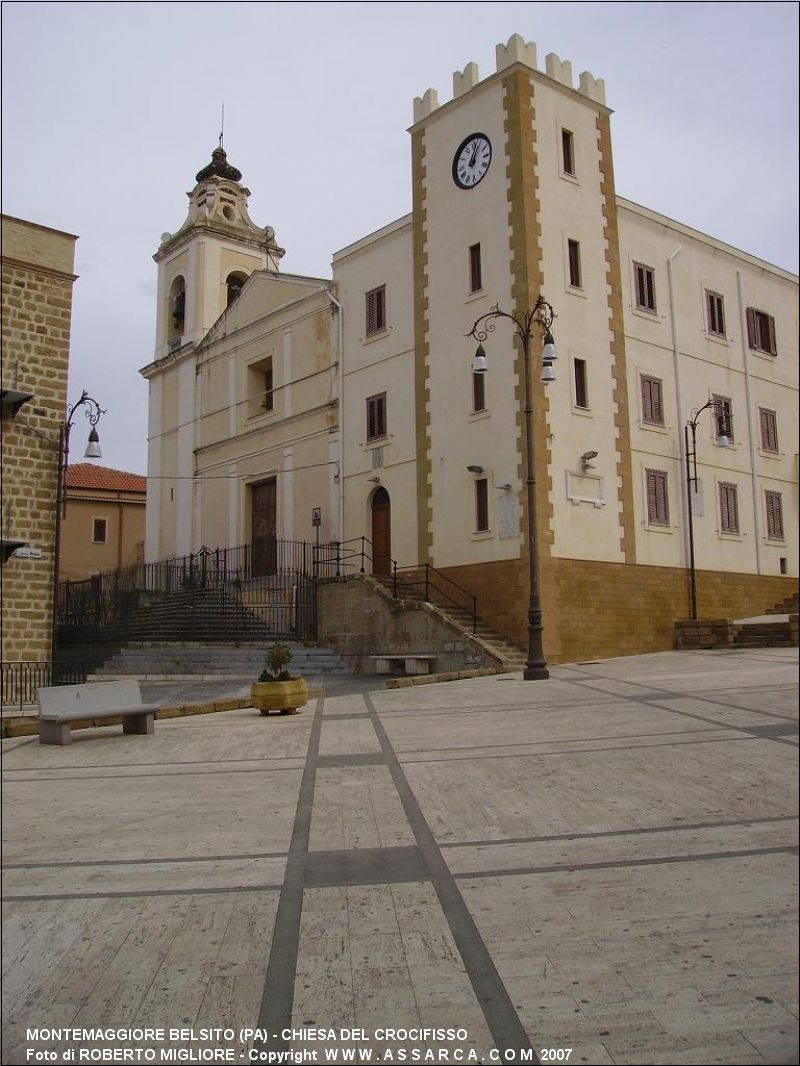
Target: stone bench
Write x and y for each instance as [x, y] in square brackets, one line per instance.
[63, 704]
[403, 664]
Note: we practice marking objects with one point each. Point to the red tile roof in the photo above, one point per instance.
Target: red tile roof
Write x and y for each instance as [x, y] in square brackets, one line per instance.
[90, 476]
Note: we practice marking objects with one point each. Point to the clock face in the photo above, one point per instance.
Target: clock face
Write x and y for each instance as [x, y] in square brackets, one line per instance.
[472, 160]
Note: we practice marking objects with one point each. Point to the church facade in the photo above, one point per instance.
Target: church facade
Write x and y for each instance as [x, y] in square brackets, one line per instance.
[276, 398]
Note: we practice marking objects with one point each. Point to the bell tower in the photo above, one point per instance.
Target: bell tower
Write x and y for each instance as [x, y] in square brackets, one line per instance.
[203, 265]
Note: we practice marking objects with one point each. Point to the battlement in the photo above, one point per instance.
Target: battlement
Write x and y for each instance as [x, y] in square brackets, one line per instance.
[517, 50]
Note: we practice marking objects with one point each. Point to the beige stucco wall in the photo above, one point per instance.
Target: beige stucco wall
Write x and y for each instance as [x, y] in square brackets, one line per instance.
[705, 366]
[372, 365]
[37, 309]
[124, 515]
[214, 441]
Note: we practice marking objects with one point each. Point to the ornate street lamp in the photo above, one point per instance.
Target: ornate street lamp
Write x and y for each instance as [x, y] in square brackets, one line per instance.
[723, 440]
[93, 412]
[541, 315]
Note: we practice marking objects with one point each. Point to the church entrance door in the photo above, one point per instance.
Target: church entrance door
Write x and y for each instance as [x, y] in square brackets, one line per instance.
[381, 533]
[264, 542]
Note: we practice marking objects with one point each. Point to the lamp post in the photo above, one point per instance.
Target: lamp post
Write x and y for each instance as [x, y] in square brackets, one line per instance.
[93, 412]
[723, 440]
[541, 315]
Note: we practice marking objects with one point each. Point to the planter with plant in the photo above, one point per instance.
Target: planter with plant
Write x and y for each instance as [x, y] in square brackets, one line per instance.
[276, 689]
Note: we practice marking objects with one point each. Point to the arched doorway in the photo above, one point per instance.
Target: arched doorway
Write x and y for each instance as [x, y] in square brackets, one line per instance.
[381, 532]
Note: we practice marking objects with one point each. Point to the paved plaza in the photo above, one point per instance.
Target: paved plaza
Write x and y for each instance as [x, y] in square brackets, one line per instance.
[598, 868]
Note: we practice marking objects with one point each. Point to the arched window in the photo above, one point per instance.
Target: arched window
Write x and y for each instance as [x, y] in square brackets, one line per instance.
[177, 307]
[234, 284]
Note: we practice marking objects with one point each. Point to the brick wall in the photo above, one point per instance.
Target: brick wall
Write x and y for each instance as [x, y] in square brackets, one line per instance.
[36, 320]
[604, 610]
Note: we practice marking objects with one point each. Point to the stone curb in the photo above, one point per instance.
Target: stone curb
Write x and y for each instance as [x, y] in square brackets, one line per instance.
[436, 679]
[29, 726]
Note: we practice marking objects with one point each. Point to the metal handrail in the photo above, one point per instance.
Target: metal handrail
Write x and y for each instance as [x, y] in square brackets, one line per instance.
[428, 580]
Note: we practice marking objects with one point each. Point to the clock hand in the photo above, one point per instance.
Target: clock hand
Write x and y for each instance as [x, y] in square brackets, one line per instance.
[474, 154]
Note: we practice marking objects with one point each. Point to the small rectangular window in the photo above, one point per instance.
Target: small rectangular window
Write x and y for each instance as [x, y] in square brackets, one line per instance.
[774, 515]
[581, 388]
[376, 310]
[761, 331]
[715, 313]
[723, 417]
[728, 508]
[269, 397]
[376, 417]
[657, 498]
[481, 505]
[478, 392]
[568, 152]
[475, 274]
[769, 429]
[574, 256]
[652, 400]
[645, 280]
[99, 530]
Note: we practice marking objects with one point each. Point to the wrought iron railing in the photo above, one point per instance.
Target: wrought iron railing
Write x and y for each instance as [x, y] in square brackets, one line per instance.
[20, 680]
[246, 592]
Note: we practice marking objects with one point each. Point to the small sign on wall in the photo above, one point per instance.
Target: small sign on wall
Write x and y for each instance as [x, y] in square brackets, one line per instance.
[28, 553]
[316, 516]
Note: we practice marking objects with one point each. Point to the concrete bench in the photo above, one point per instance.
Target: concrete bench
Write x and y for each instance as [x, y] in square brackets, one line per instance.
[63, 704]
[403, 664]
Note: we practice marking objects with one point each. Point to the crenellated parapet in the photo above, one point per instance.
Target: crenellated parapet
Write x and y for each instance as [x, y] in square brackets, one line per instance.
[516, 50]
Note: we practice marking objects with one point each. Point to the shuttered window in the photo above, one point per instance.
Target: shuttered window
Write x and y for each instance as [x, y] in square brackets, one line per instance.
[645, 280]
[475, 272]
[657, 498]
[761, 331]
[774, 515]
[581, 387]
[769, 429]
[574, 258]
[723, 417]
[568, 152]
[376, 416]
[481, 505]
[376, 310]
[728, 508]
[478, 392]
[715, 313]
[652, 400]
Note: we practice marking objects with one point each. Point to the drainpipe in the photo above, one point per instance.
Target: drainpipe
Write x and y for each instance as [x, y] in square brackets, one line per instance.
[340, 413]
[751, 429]
[678, 400]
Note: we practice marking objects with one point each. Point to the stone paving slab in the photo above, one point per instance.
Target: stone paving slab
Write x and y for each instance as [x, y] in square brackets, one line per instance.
[486, 870]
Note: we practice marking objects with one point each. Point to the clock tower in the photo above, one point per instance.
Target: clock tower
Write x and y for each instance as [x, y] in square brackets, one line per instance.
[203, 266]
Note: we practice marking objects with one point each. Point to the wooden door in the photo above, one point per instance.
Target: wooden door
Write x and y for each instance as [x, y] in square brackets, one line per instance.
[264, 521]
[381, 533]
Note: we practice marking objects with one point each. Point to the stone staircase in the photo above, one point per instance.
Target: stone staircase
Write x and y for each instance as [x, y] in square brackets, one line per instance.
[791, 605]
[762, 635]
[240, 663]
[513, 656]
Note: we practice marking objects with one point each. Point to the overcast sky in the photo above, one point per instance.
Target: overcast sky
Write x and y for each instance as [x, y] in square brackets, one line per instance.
[109, 110]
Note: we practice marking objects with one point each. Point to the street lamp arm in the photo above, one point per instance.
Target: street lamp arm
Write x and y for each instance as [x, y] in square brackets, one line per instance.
[541, 313]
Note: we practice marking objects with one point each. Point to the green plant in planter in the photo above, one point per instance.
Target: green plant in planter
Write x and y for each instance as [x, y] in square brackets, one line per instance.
[278, 658]
[276, 689]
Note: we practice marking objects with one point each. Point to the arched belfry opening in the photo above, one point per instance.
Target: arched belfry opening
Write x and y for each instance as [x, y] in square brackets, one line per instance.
[234, 283]
[177, 308]
[381, 532]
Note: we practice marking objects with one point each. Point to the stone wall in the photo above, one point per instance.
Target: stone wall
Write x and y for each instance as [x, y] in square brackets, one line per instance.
[604, 610]
[36, 320]
[359, 618]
